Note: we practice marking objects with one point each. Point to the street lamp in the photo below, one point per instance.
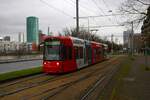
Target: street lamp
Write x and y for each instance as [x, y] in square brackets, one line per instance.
[92, 30]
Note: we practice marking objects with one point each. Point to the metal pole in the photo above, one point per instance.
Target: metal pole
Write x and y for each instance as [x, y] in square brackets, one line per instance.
[48, 31]
[146, 57]
[88, 25]
[132, 39]
[112, 43]
[77, 16]
[129, 44]
[23, 37]
[19, 37]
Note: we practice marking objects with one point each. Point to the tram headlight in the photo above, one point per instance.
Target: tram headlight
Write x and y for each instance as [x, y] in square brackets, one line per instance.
[57, 63]
[45, 63]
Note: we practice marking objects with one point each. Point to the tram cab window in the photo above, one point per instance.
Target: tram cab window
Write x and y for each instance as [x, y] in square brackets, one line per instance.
[52, 50]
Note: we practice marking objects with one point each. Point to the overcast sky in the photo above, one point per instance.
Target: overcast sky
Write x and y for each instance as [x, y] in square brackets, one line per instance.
[57, 14]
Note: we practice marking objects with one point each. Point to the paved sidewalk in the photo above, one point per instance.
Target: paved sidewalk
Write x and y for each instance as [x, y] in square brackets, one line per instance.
[136, 85]
[131, 82]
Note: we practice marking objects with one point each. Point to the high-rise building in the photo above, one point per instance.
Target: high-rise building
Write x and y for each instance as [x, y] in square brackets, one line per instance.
[137, 41]
[32, 30]
[126, 38]
[19, 37]
[1, 38]
[7, 38]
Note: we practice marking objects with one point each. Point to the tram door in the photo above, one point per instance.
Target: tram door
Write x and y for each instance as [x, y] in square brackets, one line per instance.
[89, 54]
[94, 55]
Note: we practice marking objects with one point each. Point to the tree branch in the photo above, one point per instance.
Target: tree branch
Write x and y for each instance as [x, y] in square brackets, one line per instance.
[142, 2]
[138, 11]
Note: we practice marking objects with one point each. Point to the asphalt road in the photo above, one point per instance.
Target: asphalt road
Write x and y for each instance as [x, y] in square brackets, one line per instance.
[14, 66]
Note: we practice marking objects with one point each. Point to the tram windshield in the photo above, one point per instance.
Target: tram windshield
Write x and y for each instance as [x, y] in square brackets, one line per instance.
[52, 50]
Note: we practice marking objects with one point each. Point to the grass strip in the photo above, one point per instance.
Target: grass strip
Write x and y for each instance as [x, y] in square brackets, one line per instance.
[124, 71]
[20, 73]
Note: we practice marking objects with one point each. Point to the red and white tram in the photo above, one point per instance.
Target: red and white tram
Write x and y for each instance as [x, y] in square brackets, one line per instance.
[65, 54]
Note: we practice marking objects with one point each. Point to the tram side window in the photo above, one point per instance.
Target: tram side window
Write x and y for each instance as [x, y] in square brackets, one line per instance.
[103, 51]
[69, 53]
[76, 52]
[81, 52]
[94, 52]
[64, 53]
[98, 51]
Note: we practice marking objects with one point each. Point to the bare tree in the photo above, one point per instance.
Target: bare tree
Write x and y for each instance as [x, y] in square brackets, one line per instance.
[66, 32]
[138, 11]
[134, 10]
[83, 33]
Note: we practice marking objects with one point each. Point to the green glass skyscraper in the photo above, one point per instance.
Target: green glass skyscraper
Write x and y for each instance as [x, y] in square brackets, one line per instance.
[32, 30]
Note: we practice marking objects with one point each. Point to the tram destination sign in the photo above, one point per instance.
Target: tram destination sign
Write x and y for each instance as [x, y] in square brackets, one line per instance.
[52, 42]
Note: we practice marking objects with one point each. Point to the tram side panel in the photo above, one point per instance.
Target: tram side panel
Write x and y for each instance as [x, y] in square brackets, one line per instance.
[69, 63]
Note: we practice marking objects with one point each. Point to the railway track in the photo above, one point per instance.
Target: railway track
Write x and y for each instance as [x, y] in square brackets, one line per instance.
[21, 80]
[99, 84]
[62, 88]
[25, 83]
[50, 92]
[54, 92]
[101, 78]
